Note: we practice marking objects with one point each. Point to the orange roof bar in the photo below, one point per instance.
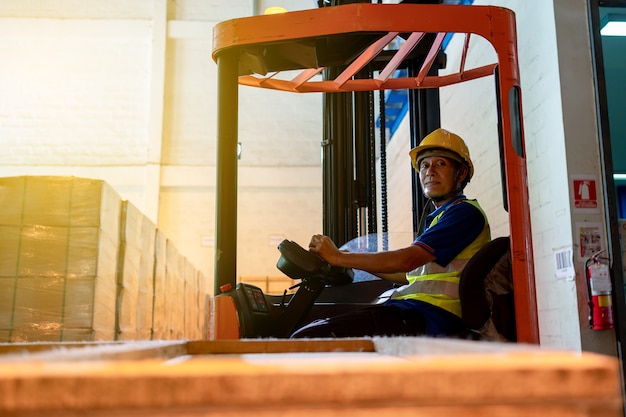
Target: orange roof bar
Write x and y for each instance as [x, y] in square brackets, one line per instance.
[400, 56]
[464, 53]
[430, 58]
[363, 59]
[304, 76]
[297, 86]
[493, 23]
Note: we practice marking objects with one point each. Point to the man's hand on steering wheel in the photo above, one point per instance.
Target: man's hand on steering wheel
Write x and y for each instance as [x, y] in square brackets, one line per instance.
[324, 247]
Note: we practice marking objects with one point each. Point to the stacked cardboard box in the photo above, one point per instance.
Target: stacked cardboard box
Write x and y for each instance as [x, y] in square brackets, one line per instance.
[195, 303]
[135, 282]
[78, 263]
[172, 306]
[160, 324]
[180, 295]
[145, 296]
[59, 247]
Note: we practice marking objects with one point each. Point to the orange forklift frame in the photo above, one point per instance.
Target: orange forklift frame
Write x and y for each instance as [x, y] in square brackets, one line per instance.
[239, 49]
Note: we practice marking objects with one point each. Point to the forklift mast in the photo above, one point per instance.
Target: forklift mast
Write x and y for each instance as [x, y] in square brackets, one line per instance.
[350, 206]
[350, 209]
[343, 52]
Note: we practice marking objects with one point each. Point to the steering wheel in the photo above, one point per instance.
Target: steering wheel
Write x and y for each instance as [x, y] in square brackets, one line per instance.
[298, 263]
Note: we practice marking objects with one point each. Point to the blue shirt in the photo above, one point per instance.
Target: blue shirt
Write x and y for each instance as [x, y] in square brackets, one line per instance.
[454, 231]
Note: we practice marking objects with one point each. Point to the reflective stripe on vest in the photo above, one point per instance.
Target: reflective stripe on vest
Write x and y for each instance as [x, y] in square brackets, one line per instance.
[439, 285]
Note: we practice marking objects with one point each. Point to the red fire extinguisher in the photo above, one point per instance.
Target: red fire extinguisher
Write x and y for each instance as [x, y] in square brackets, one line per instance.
[599, 291]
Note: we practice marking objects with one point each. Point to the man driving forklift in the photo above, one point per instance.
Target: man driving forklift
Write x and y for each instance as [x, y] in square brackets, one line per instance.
[427, 300]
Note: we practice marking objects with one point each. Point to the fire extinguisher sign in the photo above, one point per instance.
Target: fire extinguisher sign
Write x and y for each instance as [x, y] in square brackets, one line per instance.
[585, 192]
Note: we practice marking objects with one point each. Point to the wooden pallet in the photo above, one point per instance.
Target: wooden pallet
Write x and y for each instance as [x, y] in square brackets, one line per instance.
[363, 377]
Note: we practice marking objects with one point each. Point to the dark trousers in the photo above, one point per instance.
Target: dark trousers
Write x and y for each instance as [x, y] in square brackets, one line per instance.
[394, 318]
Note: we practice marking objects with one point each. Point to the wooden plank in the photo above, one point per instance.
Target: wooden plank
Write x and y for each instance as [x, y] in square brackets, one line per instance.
[279, 346]
[90, 351]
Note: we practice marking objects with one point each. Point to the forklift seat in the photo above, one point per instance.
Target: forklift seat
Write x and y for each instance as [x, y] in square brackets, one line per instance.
[486, 293]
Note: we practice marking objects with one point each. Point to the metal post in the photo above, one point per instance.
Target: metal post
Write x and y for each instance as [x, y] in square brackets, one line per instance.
[339, 217]
[226, 178]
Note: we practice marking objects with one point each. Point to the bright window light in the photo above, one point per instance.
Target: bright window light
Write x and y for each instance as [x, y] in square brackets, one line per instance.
[619, 176]
[613, 25]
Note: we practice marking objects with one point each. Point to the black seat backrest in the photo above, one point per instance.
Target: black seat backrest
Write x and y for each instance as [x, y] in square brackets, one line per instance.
[486, 292]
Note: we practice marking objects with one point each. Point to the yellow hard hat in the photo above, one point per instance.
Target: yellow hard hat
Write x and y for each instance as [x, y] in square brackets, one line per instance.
[441, 142]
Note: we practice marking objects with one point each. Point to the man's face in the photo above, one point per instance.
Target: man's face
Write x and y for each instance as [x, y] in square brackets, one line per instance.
[439, 176]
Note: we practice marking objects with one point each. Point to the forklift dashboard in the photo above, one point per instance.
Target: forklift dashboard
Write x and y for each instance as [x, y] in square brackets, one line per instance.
[262, 315]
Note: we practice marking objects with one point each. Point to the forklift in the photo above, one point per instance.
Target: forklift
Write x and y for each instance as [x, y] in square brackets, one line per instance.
[366, 377]
[347, 52]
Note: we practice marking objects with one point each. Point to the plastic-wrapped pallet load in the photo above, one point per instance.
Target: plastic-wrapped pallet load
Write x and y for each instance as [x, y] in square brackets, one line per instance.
[174, 282]
[135, 275]
[203, 305]
[58, 259]
[192, 309]
[145, 297]
[160, 329]
[77, 263]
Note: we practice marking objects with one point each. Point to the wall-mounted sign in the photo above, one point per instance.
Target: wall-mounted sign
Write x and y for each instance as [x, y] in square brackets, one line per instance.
[585, 192]
[590, 239]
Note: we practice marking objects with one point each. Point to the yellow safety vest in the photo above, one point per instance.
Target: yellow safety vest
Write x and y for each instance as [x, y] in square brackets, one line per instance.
[439, 285]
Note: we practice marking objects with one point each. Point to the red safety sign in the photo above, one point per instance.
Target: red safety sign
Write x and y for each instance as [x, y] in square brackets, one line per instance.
[585, 195]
